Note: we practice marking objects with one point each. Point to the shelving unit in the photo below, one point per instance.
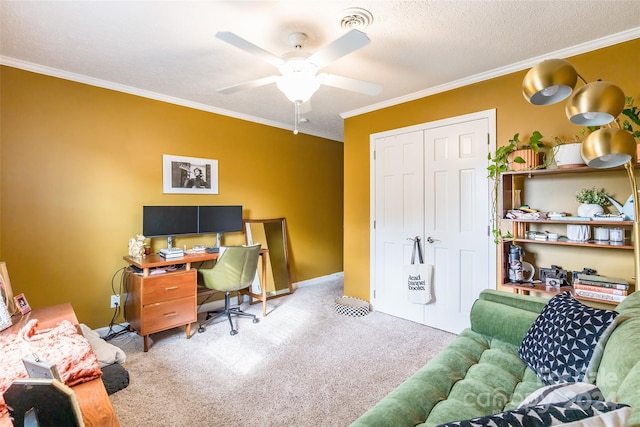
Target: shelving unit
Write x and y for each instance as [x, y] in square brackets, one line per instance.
[514, 184]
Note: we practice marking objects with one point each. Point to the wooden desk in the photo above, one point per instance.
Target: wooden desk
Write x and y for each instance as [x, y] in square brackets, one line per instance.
[92, 396]
[157, 302]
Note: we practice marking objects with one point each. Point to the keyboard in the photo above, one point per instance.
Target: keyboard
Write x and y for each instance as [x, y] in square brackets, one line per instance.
[212, 250]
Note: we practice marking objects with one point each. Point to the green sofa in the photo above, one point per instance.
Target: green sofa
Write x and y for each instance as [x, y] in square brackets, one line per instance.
[481, 373]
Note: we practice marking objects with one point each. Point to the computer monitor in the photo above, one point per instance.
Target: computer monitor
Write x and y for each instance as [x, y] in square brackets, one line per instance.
[169, 221]
[219, 219]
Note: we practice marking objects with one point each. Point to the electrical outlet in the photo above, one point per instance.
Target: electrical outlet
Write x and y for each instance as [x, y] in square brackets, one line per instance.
[115, 301]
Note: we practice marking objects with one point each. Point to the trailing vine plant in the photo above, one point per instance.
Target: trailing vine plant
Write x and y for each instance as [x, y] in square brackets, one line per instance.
[499, 163]
[633, 113]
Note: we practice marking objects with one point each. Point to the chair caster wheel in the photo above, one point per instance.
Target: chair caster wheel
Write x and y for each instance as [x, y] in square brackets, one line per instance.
[233, 332]
[200, 329]
[256, 320]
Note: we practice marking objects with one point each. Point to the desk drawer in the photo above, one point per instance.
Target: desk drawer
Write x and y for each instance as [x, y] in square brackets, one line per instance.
[168, 286]
[166, 315]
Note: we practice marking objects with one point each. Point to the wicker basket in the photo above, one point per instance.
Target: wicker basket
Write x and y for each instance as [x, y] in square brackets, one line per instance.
[353, 307]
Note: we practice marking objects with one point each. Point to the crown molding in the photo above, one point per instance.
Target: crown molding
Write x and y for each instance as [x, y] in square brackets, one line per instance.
[603, 42]
[105, 84]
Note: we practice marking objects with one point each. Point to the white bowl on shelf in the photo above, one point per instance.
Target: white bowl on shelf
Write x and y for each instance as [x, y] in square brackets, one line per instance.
[578, 233]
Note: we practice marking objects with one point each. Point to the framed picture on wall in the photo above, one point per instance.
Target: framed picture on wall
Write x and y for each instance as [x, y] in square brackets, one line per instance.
[189, 175]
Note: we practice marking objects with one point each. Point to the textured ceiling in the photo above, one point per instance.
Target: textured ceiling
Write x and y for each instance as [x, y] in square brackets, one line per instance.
[167, 50]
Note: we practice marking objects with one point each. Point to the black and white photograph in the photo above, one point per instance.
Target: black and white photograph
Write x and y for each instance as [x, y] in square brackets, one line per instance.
[189, 175]
[22, 304]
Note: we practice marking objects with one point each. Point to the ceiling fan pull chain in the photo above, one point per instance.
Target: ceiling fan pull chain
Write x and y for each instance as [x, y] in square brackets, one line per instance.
[296, 116]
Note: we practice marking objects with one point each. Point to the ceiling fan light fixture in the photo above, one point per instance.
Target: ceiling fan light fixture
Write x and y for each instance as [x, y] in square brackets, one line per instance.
[298, 88]
[298, 65]
[356, 18]
[299, 78]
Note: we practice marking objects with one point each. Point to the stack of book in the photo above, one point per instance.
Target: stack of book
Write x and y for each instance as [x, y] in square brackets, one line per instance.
[601, 288]
[171, 253]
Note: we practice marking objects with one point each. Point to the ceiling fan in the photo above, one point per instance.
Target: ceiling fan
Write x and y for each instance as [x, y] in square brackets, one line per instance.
[299, 78]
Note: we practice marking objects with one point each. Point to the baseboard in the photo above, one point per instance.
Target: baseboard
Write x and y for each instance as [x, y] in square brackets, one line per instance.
[319, 280]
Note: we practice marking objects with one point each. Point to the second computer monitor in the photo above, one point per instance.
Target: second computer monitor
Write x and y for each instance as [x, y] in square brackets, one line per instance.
[219, 219]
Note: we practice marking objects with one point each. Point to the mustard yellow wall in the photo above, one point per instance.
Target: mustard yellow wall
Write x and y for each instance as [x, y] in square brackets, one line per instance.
[79, 162]
[618, 64]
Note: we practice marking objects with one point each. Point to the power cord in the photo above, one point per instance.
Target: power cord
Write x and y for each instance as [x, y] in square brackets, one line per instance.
[117, 309]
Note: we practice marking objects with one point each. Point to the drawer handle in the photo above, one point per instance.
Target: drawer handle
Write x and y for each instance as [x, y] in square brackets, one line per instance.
[171, 288]
[173, 313]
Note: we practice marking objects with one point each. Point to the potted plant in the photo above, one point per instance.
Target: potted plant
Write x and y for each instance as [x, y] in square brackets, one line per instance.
[591, 201]
[566, 153]
[516, 155]
[525, 154]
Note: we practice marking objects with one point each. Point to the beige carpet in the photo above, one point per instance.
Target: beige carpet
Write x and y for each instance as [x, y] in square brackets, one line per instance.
[303, 364]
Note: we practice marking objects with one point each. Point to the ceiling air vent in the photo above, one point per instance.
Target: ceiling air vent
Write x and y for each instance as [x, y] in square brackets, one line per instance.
[356, 18]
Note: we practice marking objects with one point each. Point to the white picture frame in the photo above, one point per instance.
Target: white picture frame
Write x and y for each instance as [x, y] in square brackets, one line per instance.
[49, 399]
[189, 175]
[22, 304]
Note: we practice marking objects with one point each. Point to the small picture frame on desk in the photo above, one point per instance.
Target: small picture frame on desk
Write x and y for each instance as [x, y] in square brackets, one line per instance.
[22, 304]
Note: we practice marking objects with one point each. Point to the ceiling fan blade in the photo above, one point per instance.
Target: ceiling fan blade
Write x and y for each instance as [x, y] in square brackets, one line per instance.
[249, 47]
[348, 83]
[350, 42]
[247, 85]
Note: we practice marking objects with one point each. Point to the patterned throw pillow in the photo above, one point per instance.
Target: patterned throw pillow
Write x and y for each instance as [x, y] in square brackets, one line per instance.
[557, 393]
[592, 413]
[561, 341]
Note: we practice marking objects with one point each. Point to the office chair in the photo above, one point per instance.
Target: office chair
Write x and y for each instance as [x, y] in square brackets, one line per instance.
[235, 269]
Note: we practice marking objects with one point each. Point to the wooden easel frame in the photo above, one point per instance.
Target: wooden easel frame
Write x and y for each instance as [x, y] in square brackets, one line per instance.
[5, 288]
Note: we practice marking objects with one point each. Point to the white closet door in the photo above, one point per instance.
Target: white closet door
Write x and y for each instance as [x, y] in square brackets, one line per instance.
[430, 181]
[399, 202]
[456, 217]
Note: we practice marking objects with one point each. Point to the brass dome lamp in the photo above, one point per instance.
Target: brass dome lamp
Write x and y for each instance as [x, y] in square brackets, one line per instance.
[594, 104]
[553, 80]
[610, 147]
[549, 82]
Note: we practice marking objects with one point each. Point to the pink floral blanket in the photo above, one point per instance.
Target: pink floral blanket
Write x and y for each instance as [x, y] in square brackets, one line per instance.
[62, 345]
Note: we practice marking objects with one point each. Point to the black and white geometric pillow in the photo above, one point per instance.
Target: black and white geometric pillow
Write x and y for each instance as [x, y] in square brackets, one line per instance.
[593, 413]
[557, 393]
[560, 343]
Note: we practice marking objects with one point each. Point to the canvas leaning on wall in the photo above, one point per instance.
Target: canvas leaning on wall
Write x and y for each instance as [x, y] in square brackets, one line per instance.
[189, 175]
[7, 304]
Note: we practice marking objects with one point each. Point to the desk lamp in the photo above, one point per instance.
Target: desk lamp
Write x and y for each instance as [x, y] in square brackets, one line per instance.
[594, 104]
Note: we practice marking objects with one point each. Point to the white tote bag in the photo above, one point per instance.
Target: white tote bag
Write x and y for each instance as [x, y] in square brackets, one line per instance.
[417, 277]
